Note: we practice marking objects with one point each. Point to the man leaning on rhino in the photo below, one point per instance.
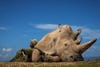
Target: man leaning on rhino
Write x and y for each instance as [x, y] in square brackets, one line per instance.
[59, 45]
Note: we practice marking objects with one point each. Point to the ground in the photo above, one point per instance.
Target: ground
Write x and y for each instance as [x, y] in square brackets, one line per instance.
[93, 63]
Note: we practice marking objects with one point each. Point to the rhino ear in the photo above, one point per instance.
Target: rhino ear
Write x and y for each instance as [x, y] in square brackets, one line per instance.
[77, 33]
[59, 27]
[85, 46]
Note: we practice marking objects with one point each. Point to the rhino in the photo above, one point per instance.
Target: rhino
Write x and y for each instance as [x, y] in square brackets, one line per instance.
[62, 44]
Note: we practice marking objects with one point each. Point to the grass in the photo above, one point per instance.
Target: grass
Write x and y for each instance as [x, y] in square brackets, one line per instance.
[19, 57]
[93, 63]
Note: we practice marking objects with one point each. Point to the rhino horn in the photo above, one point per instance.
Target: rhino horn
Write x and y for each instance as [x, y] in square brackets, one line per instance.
[85, 46]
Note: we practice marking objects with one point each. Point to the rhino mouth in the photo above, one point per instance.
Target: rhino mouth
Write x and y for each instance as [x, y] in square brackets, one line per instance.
[72, 58]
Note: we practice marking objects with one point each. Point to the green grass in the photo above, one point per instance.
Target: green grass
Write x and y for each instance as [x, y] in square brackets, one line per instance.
[19, 57]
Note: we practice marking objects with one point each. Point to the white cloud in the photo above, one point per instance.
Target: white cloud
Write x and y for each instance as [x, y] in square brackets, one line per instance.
[46, 26]
[87, 33]
[3, 28]
[0, 55]
[4, 56]
[6, 49]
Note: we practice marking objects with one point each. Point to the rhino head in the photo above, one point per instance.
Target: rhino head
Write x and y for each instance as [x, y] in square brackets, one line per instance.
[63, 44]
[72, 51]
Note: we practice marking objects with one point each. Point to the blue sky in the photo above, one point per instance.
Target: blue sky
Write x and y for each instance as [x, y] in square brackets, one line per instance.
[24, 20]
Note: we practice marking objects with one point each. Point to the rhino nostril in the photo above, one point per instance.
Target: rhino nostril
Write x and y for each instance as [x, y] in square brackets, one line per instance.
[71, 56]
[75, 59]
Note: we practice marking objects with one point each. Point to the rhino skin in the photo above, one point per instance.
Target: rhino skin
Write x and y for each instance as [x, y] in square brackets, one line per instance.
[62, 44]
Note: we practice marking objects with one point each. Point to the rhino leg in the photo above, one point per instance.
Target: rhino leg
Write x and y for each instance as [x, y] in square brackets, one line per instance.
[36, 55]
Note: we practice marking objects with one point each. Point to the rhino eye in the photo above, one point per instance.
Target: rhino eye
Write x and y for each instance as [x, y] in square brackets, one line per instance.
[65, 44]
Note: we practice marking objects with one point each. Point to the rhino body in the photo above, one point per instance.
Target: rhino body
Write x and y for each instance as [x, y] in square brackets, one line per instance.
[61, 44]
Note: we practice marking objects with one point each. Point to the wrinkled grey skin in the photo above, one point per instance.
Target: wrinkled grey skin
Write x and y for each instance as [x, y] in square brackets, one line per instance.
[61, 44]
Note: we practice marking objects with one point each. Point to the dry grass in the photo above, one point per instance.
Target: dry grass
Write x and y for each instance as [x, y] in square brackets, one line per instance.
[51, 64]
